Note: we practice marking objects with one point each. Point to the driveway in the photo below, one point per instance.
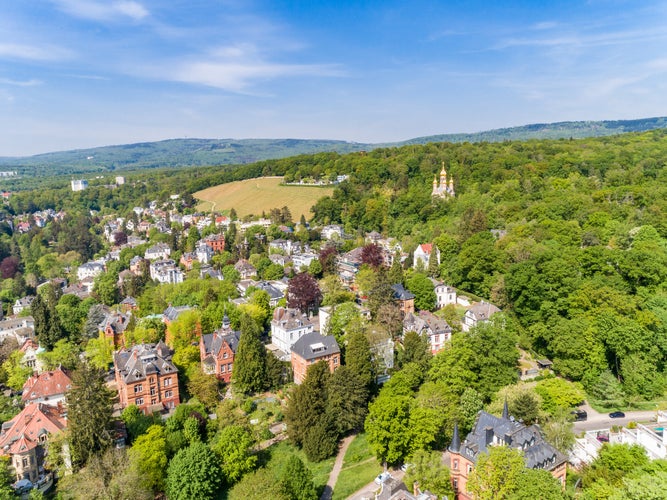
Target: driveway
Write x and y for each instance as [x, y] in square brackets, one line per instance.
[597, 420]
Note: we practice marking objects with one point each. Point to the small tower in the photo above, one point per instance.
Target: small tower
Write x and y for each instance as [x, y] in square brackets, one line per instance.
[455, 447]
[443, 188]
[506, 411]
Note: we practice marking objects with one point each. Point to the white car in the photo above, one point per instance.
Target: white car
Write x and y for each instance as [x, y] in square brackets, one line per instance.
[382, 477]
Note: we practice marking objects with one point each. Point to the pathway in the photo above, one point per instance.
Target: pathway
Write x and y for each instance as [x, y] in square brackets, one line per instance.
[338, 465]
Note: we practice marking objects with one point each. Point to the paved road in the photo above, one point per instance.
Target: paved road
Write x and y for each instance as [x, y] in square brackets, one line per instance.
[597, 420]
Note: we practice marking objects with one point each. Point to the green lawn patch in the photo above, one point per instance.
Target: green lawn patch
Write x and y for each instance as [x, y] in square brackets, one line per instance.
[359, 468]
[279, 453]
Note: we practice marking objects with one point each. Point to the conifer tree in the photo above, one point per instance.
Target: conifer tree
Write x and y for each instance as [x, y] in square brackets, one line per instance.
[250, 360]
[358, 357]
[89, 409]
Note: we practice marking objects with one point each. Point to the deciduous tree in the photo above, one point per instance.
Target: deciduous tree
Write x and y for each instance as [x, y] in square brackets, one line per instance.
[194, 472]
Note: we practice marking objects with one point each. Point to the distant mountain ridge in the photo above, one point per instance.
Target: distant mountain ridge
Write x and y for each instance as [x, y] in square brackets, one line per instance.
[201, 152]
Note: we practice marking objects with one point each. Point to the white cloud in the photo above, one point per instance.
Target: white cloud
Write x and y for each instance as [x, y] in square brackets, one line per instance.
[18, 83]
[33, 52]
[103, 11]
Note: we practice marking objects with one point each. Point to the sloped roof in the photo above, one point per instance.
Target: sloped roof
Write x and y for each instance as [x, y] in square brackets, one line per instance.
[214, 342]
[401, 293]
[290, 319]
[136, 363]
[46, 384]
[313, 345]
[482, 311]
[490, 430]
[22, 433]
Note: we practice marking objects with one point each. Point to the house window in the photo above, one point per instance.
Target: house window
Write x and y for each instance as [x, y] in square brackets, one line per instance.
[26, 462]
[223, 368]
[225, 355]
[456, 484]
[153, 401]
[167, 381]
[139, 401]
[229, 367]
[469, 468]
[153, 391]
[456, 465]
[138, 388]
[168, 394]
[335, 361]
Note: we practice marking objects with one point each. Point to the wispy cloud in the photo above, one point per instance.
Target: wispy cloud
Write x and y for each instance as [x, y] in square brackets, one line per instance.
[103, 10]
[19, 83]
[236, 68]
[33, 52]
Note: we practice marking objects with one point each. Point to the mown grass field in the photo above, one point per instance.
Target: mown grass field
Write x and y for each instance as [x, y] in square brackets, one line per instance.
[359, 468]
[254, 196]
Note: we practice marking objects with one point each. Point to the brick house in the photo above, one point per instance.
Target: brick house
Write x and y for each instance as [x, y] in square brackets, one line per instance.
[490, 430]
[114, 325]
[217, 350]
[404, 298]
[216, 242]
[310, 349]
[23, 437]
[146, 377]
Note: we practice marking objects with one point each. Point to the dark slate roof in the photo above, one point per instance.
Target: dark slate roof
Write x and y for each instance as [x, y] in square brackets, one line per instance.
[400, 293]
[172, 312]
[313, 345]
[213, 342]
[118, 322]
[490, 430]
[273, 292]
[141, 360]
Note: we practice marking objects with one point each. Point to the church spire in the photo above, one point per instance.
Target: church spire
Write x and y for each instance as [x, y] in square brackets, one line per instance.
[506, 411]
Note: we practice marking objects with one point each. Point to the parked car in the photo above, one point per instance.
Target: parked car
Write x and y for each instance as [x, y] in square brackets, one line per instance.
[382, 477]
[617, 414]
[405, 467]
[579, 415]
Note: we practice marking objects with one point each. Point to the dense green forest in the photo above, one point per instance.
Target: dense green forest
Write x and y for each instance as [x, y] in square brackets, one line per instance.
[578, 254]
[202, 152]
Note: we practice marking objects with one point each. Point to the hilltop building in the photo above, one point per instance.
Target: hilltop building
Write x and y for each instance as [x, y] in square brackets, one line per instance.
[217, 351]
[445, 188]
[79, 184]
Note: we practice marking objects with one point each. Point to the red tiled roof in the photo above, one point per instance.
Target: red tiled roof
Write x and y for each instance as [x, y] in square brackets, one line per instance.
[22, 432]
[46, 384]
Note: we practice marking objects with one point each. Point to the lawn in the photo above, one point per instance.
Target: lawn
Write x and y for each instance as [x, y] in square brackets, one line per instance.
[280, 453]
[254, 196]
[359, 468]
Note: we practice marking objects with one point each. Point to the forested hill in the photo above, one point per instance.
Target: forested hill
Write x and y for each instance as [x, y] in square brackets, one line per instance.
[201, 152]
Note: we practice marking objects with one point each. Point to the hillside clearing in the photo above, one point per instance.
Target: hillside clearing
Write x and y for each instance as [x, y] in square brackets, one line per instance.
[254, 196]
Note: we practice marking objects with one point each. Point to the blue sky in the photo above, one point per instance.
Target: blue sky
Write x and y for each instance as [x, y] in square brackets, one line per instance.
[83, 73]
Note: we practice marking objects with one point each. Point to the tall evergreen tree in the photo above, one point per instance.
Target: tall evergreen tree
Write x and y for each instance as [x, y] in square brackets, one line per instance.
[47, 323]
[347, 400]
[309, 426]
[89, 408]
[250, 360]
[358, 357]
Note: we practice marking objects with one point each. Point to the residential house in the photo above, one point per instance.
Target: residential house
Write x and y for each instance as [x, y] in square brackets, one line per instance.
[422, 255]
[166, 271]
[427, 324]
[204, 253]
[245, 269]
[286, 246]
[159, 251]
[217, 350]
[137, 265]
[325, 312]
[281, 260]
[311, 348]
[348, 265]
[444, 294]
[404, 298]
[21, 328]
[505, 430]
[31, 350]
[275, 295]
[23, 438]
[89, 270]
[479, 312]
[216, 242]
[47, 387]
[288, 326]
[187, 260]
[301, 260]
[22, 304]
[113, 327]
[333, 231]
[171, 314]
[146, 377]
[211, 273]
[129, 304]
